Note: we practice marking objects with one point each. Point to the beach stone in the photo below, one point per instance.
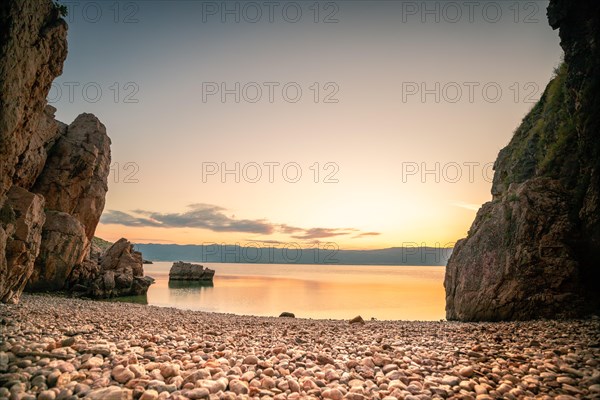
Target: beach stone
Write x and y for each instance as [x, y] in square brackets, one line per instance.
[122, 374]
[467, 372]
[333, 394]
[93, 362]
[198, 393]
[149, 395]
[101, 349]
[479, 389]
[109, 393]
[196, 376]
[325, 359]
[250, 360]
[238, 387]
[450, 380]
[47, 395]
[169, 370]
[566, 379]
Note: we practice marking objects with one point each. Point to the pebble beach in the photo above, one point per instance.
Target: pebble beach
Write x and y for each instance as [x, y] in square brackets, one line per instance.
[54, 347]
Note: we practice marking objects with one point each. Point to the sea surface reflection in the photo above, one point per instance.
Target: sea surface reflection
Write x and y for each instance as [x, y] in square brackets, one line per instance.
[309, 291]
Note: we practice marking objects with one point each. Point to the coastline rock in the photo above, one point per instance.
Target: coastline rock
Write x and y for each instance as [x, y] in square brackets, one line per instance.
[117, 272]
[181, 271]
[533, 251]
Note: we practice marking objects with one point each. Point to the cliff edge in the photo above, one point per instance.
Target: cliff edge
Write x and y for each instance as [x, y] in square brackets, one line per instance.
[534, 250]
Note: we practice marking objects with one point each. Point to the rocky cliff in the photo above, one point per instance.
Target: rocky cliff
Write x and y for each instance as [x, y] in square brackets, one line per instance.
[534, 250]
[53, 177]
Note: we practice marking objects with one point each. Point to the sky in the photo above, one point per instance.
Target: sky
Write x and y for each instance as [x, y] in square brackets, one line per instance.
[367, 124]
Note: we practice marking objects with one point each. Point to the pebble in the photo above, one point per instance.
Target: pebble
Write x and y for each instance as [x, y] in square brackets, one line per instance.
[47, 395]
[149, 395]
[198, 393]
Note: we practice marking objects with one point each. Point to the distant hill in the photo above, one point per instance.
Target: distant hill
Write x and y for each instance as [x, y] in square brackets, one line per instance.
[278, 255]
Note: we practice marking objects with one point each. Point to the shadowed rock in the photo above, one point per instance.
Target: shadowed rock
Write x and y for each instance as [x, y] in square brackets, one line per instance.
[63, 246]
[33, 48]
[25, 218]
[117, 272]
[533, 251]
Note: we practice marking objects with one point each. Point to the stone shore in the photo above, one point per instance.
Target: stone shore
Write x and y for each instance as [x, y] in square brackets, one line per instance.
[62, 348]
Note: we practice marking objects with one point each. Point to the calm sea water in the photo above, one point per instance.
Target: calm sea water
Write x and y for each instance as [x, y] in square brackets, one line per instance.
[309, 291]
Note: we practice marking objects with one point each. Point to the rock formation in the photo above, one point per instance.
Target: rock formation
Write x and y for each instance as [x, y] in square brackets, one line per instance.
[181, 271]
[33, 47]
[534, 250]
[74, 184]
[117, 272]
[53, 177]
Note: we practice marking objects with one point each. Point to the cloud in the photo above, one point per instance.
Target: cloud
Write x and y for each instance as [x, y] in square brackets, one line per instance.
[364, 234]
[289, 229]
[320, 233]
[121, 218]
[203, 216]
[213, 218]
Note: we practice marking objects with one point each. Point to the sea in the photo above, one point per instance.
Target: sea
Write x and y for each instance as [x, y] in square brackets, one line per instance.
[308, 291]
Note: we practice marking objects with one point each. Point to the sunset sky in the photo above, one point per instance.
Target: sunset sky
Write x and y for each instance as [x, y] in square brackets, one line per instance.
[362, 120]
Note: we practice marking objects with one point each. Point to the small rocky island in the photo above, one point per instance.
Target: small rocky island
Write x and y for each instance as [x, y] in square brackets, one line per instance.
[182, 271]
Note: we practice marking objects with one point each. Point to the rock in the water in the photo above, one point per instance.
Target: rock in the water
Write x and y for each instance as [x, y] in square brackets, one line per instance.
[357, 320]
[286, 314]
[181, 271]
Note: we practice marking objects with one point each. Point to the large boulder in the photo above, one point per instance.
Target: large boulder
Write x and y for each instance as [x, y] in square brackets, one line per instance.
[181, 271]
[117, 272]
[534, 250]
[74, 183]
[75, 177]
[20, 236]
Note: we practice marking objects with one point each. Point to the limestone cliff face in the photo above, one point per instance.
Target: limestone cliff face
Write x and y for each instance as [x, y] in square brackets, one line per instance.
[53, 177]
[534, 250]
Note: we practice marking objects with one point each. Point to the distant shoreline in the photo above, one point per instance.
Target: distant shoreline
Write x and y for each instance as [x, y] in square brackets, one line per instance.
[235, 254]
